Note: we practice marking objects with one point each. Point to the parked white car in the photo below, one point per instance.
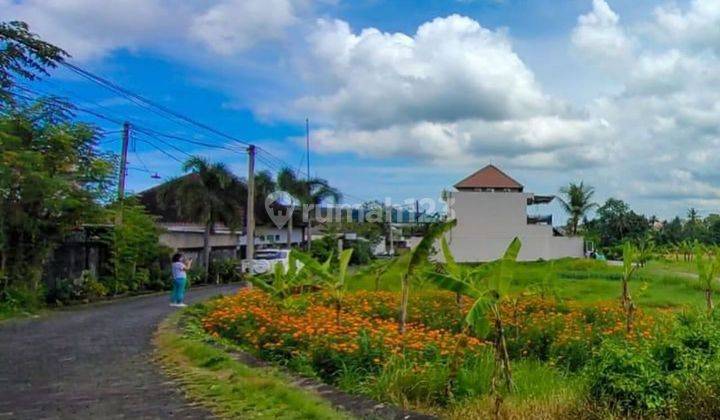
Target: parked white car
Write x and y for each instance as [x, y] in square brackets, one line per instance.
[265, 261]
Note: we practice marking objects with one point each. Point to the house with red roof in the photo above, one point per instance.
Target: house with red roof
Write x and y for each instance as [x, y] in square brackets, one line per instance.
[491, 209]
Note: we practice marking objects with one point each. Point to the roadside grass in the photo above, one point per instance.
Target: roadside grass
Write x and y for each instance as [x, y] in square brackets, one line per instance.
[11, 311]
[542, 392]
[227, 387]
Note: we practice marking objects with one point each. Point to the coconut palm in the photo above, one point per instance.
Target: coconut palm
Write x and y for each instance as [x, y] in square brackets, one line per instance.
[312, 191]
[210, 194]
[577, 202]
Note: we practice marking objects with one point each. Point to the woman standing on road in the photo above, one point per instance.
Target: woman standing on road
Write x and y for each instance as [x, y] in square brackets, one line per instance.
[180, 266]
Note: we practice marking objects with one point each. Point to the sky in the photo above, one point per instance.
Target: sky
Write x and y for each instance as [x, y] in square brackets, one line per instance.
[405, 98]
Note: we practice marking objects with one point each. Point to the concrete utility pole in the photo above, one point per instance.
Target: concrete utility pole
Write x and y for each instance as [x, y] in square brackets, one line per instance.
[123, 172]
[391, 251]
[250, 218]
[307, 151]
[123, 161]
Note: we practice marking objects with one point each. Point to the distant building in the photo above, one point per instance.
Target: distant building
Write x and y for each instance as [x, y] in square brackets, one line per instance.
[491, 209]
[186, 236]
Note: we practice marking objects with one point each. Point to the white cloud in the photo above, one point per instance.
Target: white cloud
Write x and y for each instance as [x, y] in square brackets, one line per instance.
[599, 36]
[451, 68]
[231, 26]
[92, 29]
[699, 25]
[89, 29]
[666, 117]
[452, 90]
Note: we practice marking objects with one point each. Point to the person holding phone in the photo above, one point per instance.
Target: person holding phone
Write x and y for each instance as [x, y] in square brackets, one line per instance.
[180, 266]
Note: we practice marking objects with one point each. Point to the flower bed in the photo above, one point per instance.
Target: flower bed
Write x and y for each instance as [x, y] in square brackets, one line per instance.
[435, 361]
[277, 331]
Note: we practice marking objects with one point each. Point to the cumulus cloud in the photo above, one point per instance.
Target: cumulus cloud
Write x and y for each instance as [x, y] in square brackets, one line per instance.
[451, 68]
[231, 26]
[452, 90]
[666, 115]
[599, 36]
[89, 29]
[698, 25]
[92, 29]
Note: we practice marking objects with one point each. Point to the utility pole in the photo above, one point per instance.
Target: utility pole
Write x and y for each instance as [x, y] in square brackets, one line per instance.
[123, 172]
[391, 251]
[250, 218]
[123, 161]
[307, 151]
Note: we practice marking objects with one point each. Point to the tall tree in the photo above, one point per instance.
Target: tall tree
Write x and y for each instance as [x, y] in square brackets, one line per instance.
[51, 179]
[211, 194]
[616, 223]
[577, 202]
[23, 55]
[307, 192]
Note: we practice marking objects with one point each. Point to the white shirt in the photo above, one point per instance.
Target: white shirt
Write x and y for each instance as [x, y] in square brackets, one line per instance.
[178, 270]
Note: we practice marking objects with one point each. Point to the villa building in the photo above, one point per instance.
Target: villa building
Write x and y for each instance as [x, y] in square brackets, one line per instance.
[491, 209]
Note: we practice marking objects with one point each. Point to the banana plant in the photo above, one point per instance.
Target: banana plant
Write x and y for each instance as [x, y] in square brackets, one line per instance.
[282, 282]
[418, 257]
[708, 268]
[645, 250]
[630, 266]
[377, 269]
[335, 282]
[454, 269]
[547, 286]
[489, 286]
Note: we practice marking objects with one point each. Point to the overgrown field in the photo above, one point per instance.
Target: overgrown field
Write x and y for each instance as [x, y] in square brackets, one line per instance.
[567, 339]
[662, 284]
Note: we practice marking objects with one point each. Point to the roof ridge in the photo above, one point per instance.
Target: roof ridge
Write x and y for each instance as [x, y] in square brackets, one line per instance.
[501, 179]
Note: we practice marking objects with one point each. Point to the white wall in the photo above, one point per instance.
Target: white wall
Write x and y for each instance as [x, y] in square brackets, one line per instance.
[273, 232]
[488, 222]
[185, 236]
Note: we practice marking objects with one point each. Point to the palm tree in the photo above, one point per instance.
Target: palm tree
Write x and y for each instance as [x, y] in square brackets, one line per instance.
[210, 194]
[577, 202]
[311, 191]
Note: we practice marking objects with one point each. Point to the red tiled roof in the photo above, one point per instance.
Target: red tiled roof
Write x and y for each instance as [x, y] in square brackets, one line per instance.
[488, 177]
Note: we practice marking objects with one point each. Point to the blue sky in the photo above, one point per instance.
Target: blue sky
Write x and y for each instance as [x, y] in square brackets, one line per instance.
[407, 97]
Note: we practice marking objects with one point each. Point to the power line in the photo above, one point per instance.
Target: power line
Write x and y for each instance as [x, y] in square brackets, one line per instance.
[271, 160]
[165, 143]
[146, 102]
[162, 150]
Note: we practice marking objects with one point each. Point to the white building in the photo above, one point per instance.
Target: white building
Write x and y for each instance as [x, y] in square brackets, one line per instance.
[491, 209]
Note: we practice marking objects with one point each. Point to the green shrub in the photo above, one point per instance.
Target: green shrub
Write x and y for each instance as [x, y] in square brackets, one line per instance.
[627, 379]
[224, 271]
[362, 253]
[86, 287]
[20, 299]
[698, 393]
[323, 248]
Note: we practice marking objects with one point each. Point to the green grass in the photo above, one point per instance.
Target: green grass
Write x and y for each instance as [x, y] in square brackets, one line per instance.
[541, 392]
[229, 388]
[662, 284]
